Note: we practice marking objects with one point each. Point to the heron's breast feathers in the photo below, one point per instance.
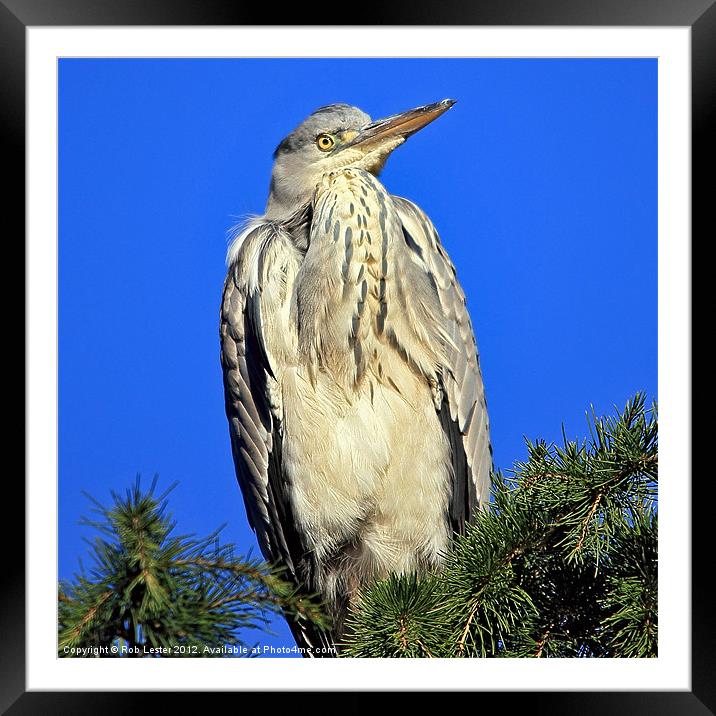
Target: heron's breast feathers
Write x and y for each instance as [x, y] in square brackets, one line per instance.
[358, 300]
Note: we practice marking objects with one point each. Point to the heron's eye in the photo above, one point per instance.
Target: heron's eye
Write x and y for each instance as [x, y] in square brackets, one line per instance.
[325, 142]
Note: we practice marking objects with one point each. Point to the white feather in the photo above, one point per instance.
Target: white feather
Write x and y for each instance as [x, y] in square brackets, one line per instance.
[237, 235]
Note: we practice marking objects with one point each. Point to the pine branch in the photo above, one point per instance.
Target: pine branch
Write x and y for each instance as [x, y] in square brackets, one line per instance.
[563, 563]
[151, 588]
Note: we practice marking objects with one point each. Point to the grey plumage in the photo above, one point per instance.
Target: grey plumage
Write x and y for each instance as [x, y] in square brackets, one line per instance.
[355, 401]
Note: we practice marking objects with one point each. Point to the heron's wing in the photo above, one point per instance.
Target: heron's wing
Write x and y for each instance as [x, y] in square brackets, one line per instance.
[254, 339]
[464, 409]
[255, 294]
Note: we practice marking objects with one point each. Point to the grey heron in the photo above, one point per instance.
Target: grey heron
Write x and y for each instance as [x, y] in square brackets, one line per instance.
[354, 394]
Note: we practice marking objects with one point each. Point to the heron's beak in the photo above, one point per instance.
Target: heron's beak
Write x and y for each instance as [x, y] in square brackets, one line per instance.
[399, 125]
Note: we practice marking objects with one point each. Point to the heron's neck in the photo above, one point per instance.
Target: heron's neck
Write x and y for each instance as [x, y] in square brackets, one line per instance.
[296, 223]
[285, 198]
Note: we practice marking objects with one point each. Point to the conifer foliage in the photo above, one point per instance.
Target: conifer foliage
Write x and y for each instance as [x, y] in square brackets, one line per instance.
[563, 563]
[150, 592]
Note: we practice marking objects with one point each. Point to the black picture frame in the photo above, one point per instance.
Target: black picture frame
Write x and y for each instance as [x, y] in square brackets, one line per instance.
[699, 15]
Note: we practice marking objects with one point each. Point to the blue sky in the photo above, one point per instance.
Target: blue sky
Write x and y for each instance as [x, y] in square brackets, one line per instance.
[542, 182]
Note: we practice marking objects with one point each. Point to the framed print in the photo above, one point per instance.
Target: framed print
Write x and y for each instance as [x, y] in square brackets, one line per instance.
[566, 193]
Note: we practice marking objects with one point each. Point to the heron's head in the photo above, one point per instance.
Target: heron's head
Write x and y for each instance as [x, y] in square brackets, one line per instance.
[335, 137]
